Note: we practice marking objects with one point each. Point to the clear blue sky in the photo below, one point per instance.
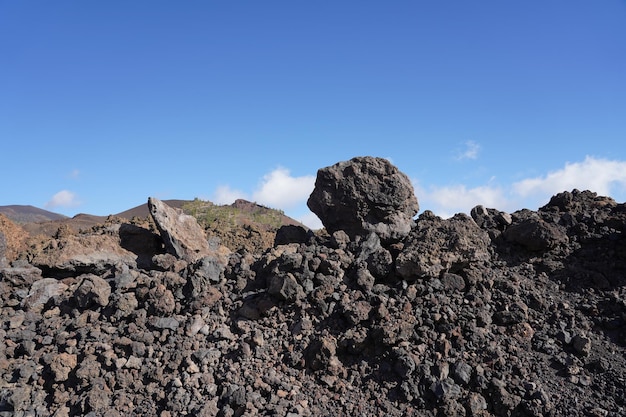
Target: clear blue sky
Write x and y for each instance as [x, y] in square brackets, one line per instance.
[103, 104]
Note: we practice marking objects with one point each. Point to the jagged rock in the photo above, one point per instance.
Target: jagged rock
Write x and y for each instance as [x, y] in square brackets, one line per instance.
[364, 195]
[535, 234]
[92, 290]
[332, 325]
[378, 259]
[491, 220]
[94, 254]
[42, 291]
[436, 246]
[20, 276]
[12, 241]
[181, 233]
[285, 287]
[321, 354]
[61, 365]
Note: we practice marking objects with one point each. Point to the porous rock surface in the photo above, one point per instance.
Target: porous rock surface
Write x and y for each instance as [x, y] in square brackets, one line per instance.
[520, 314]
[363, 195]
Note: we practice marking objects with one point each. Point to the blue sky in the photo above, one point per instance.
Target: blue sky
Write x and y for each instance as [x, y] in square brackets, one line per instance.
[103, 104]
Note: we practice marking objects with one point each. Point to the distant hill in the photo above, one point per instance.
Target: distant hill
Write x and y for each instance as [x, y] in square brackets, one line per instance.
[142, 210]
[243, 224]
[29, 214]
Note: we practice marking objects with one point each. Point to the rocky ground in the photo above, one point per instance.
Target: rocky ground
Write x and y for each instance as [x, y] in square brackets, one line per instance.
[497, 314]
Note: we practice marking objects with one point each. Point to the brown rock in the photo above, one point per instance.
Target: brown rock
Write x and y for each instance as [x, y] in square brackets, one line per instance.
[12, 240]
[94, 254]
[61, 366]
[436, 246]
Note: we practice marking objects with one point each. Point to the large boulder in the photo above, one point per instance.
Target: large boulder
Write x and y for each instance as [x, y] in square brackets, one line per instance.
[181, 233]
[74, 254]
[364, 195]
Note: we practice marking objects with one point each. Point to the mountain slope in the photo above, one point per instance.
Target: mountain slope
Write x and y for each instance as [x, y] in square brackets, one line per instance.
[29, 214]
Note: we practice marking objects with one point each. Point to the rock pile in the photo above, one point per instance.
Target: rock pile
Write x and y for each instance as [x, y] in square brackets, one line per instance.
[497, 314]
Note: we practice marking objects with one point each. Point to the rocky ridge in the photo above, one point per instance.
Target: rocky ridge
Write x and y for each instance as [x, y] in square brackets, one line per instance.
[493, 314]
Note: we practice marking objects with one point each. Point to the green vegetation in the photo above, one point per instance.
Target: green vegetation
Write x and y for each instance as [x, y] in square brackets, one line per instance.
[210, 215]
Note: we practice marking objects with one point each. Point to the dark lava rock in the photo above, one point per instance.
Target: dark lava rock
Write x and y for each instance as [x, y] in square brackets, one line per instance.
[493, 315]
[536, 235]
[364, 195]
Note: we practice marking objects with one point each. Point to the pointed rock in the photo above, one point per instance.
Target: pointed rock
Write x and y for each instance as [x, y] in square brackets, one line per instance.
[181, 233]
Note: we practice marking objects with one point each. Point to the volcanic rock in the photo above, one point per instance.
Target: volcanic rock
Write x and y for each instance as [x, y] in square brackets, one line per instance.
[92, 289]
[519, 314]
[364, 195]
[181, 233]
[12, 240]
[436, 246]
[42, 291]
[83, 253]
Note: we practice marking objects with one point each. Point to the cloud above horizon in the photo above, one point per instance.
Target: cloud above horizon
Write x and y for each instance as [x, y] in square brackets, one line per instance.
[63, 198]
[595, 174]
[603, 176]
[277, 189]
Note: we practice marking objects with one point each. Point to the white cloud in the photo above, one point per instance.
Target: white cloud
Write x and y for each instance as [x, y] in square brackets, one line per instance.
[74, 174]
[226, 195]
[63, 198]
[605, 177]
[279, 189]
[595, 174]
[447, 200]
[470, 151]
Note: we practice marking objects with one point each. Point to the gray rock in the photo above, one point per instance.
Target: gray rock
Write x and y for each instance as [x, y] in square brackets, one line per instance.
[22, 276]
[3, 250]
[285, 287]
[364, 195]
[462, 372]
[42, 291]
[164, 323]
[92, 290]
[378, 259]
[208, 270]
[181, 233]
